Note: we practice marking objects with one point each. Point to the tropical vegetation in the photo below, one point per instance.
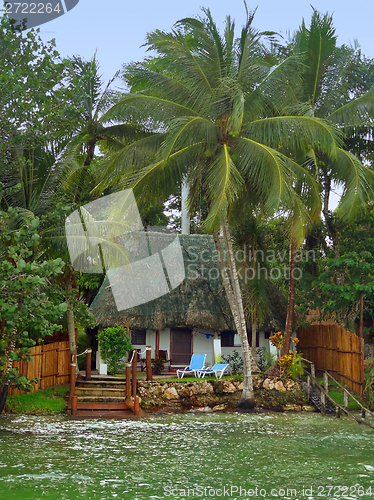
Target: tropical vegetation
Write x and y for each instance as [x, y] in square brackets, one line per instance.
[261, 131]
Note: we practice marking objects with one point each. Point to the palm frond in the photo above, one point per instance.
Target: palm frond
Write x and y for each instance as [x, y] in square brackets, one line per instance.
[297, 133]
[358, 182]
[222, 183]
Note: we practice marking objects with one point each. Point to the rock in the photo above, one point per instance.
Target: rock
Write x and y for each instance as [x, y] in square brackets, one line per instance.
[279, 386]
[219, 407]
[292, 408]
[268, 384]
[143, 391]
[308, 408]
[257, 381]
[186, 392]
[202, 387]
[171, 393]
[228, 387]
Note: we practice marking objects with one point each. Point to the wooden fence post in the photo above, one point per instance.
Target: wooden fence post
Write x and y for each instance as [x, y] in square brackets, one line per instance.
[128, 380]
[308, 383]
[323, 403]
[345, 400]
[134, 373]
[313, 373]
[148, 363]
[72, 380]
[326, 382]
[88, 364]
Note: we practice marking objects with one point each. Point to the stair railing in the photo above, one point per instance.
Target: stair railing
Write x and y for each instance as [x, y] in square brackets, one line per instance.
[311, 381]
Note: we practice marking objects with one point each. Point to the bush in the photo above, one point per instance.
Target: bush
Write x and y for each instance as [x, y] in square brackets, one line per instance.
[158, 366]
[114, 345]
[264, 358]
[235, 362]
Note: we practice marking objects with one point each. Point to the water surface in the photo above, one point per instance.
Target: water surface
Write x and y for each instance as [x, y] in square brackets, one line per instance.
[195, 455]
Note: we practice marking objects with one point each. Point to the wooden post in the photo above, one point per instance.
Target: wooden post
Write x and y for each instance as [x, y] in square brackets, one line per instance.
[363, 413]
[72, 380]
[323, 403]
[313, 373]
[136, 406]
[326, 382]
[88, 364]
[148, 363]
[338, 412]
[128, 380]
[308, 383]
[74, 405]
[134, 372]
[345, 400]
[157, 349]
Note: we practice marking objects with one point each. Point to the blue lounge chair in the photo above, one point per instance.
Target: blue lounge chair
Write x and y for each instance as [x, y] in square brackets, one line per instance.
[218, 370]
[196, 364]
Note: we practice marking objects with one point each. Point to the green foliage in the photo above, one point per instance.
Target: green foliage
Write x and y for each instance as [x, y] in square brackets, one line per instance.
[291, 365]
[114, 345]
[264, 358]
[235, 362]
[31, 305]
[335, 283]
[36, 104]
[158, 366]
[49, 400]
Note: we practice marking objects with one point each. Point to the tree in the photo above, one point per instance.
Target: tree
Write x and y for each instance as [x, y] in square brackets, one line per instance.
[329, 91]
[37, 106]
[217, 108]
[335, 288]
[31, 306]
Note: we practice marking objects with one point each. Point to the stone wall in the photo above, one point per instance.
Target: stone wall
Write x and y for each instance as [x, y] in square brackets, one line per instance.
[270, 392]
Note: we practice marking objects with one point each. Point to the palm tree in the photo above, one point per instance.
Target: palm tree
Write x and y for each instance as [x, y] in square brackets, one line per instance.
[326, 92]
[217, 107]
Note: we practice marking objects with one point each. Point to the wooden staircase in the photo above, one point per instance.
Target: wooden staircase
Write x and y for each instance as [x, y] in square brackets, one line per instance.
[103, 398]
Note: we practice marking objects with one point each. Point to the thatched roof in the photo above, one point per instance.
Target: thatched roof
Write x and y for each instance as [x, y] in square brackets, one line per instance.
[198, 302]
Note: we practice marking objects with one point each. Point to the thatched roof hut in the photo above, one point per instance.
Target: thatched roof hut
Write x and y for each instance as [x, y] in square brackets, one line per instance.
[198, 302]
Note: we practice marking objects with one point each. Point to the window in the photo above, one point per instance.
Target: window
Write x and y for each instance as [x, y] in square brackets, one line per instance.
[138, 337]
[227, 339]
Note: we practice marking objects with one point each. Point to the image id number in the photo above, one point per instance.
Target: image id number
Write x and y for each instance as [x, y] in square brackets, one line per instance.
[32, 8]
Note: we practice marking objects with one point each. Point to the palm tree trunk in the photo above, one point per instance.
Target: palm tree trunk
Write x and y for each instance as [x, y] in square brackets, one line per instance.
[233, 293]
[4, 393]
[254, 334]
[291, 300]
[70, 321]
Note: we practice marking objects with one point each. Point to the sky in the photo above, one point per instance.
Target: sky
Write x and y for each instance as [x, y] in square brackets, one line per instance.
[116, 29]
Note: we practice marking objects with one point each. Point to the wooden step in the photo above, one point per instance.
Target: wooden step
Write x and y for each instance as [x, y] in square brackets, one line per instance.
[102, 383]
[100, 391]
[87, 414]
[100, 406]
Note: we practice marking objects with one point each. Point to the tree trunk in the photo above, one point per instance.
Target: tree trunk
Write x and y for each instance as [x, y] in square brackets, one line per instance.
[291, 300]
[361, 314]
[71, 322]
[233, 293]
[4, 393]
[254, 335]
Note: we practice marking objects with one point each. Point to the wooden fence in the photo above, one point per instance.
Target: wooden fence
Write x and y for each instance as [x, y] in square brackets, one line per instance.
[51, 363]
[333, 349]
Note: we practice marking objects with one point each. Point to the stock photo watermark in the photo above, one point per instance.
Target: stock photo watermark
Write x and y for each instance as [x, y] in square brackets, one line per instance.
[251, 264]
[234, 491]
[26, 15]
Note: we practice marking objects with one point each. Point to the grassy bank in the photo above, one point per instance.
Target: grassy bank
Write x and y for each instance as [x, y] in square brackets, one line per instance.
[49, 401]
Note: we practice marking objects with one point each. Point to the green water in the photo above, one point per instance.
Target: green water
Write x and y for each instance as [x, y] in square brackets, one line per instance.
[186, 456]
